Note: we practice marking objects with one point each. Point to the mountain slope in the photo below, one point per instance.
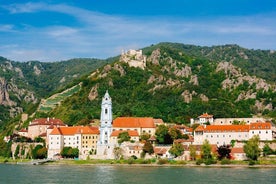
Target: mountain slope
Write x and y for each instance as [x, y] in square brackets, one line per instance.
[23, 84]
[171, 85]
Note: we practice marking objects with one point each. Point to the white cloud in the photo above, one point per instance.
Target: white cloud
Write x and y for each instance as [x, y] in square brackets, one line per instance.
[100, 35]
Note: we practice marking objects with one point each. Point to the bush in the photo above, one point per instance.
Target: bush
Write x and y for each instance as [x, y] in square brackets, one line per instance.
[210, 161]
[225, 161]
[199, 161]
[130, 160]
[162, 161]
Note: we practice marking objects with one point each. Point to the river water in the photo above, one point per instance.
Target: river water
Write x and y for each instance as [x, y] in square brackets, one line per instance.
[127, 174]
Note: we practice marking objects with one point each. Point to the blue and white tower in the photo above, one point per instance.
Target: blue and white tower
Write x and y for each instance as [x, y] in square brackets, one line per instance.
[106, 119]
[104, 148]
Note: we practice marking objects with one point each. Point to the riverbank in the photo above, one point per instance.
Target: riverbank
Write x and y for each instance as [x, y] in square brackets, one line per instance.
[148, 163]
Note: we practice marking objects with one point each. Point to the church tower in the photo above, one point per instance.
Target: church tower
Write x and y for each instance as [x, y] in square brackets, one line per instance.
[104, 148]
[106, 119]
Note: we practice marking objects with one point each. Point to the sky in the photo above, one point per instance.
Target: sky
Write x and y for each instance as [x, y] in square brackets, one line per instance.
[55, 30]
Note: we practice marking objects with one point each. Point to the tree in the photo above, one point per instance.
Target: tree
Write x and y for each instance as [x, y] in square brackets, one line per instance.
[251, 148]
[39, 152]
[224, 152]
[118, 153]
[123, 136]
[162, 135]
[148, 148]
[177, 149]
[144, 137]
[206, 150]
[16, 152]
[69, 152]
[175, 133]
[267, 150]
[192, 149]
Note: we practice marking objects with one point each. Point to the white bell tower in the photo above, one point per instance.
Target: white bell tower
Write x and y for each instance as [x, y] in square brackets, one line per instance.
[104, 147]
[106, 119]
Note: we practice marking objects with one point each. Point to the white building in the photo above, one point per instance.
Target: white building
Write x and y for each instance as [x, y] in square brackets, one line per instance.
[82, 137]
[104, 146]
[224, 134]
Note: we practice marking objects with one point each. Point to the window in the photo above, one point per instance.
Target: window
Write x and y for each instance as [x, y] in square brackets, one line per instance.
[105, 111]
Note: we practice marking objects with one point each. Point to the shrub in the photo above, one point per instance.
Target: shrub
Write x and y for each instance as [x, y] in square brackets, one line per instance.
[199, 161]
[162, 161]
[130, 160]
[210, 161]
[225, 161]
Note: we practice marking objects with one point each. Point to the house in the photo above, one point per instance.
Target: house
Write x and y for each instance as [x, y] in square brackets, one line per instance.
[224, 134]
[238, 154]
[82, 137]
[139, 124]
[39, 126]
[263, 130]
[23, 132]
[162, 152]
[134, 136]
[184, 129]
[130, 149]
[203, 119]
[230, 121]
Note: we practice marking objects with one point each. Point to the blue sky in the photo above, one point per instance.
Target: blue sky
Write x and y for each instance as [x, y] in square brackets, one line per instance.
[54, 30]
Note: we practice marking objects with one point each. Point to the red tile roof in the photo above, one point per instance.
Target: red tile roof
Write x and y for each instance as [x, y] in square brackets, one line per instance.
[131, 133]
[160, 150]
[23, 130]
[133, 122]
[223, 128]
[237, 150]
[260, 126]
[234, 128]
[206, 115]
[47, 121]
[74, 130]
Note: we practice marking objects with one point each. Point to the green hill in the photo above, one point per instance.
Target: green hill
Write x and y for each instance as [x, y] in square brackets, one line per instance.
[173, 86]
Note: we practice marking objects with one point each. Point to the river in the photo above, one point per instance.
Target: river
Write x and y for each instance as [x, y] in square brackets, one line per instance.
[127, 174]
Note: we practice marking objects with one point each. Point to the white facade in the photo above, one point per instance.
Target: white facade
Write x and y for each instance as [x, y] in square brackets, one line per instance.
[224, 134]
[55, 145]
[104, 146]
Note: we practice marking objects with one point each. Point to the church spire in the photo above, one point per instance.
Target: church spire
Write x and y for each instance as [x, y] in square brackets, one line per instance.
[106, 119]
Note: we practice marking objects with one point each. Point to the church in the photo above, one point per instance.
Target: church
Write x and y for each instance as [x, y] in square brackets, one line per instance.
[110, 129]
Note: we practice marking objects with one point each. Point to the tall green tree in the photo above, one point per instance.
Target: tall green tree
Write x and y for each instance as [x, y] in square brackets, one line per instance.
[206, 150]
[177, 149]
[162, 135]
[148, 148]
[192, 150]
[267, 150]
[251, 148]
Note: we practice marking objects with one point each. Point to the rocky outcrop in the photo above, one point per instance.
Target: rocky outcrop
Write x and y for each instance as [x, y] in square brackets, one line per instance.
[187, 96]
[4, 95]
[204, 98]
[120, 69]
[154, 57]
[194, 80]
[93, 94]
[183, 72]
[247, 95]
[236, 78]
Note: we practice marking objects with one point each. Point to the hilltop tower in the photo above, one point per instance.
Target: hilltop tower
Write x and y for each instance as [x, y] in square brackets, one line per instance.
[104, 148]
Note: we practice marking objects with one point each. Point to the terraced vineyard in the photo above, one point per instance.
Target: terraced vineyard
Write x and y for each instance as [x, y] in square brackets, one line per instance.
[46, 105]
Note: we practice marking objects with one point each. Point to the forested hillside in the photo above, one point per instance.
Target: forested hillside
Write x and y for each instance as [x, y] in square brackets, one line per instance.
[170, 81]
[173, 86]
